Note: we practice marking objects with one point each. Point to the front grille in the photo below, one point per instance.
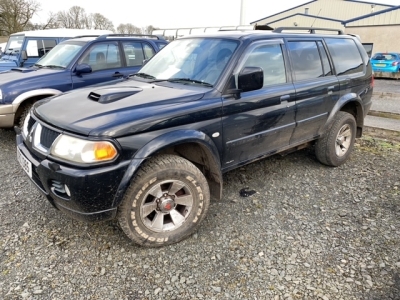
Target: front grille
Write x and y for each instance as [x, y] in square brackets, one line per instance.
[31, 122]
[47, 137]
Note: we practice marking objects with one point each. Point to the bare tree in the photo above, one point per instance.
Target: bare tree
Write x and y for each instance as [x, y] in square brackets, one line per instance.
[101, 22]
[75, 17]
[128, 29]
[15, 15]
[50, 23]
[148, 29]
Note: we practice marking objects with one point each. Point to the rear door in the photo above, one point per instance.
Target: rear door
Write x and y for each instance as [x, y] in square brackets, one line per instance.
[317, 88]
[261, 121]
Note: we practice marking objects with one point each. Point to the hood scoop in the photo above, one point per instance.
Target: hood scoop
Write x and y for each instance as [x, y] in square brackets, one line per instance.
[112, 94]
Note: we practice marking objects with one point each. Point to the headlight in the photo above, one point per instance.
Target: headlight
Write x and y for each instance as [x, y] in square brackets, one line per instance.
[1, 95]
[82, 151]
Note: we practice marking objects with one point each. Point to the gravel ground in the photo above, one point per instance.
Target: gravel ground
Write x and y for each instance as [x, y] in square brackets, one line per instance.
[310, 232]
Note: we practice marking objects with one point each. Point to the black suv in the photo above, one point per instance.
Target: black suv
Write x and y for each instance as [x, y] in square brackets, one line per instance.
[151, 150]
[74, 63]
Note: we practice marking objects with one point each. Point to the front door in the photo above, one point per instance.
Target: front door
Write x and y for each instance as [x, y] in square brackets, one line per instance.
[261, 121]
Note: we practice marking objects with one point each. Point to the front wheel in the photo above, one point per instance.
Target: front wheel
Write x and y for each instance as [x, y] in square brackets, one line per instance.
[165, 202]
[335, 147]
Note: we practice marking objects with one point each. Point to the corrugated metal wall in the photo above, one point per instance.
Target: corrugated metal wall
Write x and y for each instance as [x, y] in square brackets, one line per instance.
[383, 37]
[334, 9]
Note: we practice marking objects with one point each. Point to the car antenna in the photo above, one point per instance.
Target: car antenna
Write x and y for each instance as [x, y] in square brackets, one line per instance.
[316, 17]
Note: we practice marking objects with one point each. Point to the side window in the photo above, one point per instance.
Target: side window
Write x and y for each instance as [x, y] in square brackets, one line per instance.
[305, 59]
[38, 48]
[325, 60]
[345, 55]
[102, 56]
[161, 45]
[269, 58]
[134, 54]
[148, 51]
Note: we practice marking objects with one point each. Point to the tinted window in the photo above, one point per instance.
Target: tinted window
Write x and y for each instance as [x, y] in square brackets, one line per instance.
[385, 56]
[134, 54]
[325, 60]
[346, 56]
[148, 51]
[270, 59]
[38, 48]
[306, 60]
[102, 56]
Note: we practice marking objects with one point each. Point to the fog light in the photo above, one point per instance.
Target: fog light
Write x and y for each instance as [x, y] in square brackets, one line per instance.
[67, 191]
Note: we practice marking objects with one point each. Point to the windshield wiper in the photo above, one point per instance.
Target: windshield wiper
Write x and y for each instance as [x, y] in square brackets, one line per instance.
[53, 67]
[38, 65]
[144, 75]
[189, 80]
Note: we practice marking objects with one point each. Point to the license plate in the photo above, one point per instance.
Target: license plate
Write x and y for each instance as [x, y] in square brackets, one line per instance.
[25, 163]
[380, 65]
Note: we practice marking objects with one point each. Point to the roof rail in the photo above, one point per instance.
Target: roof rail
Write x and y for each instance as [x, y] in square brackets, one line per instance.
[87, 35]
[104, 36]
[311, 29]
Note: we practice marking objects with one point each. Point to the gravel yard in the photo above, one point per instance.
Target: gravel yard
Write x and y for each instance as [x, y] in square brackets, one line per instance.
[310, 232]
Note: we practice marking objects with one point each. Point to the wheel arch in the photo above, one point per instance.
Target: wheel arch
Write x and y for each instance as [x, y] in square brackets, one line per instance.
[352, 104]
[195, 146]
[29, 98]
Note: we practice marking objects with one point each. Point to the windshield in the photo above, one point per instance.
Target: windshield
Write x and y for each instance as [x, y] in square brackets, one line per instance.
[190, 61]
[14, 44]
[60, 56]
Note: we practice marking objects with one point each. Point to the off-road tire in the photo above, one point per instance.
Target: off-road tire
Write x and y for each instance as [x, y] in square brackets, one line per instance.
[334, 148]
[167, 173]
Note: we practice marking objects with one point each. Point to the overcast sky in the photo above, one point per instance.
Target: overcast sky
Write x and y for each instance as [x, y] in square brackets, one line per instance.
[177, 13]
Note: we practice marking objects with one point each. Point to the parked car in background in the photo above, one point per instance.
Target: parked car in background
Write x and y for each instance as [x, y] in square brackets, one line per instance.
[72, 64]
[386, 64]
[25, 48]
[151, 150]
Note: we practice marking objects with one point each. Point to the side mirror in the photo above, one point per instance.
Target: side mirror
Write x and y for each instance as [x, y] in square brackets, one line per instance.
[24, 55]
[83, 69]
[250, 79]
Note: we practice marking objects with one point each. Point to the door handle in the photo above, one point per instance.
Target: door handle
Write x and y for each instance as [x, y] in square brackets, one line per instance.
[330, 89]
[118, 74]
[285, 98]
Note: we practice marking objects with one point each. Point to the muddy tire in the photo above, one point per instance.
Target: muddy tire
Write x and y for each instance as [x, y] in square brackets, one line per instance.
[335, 147]
[165, 203]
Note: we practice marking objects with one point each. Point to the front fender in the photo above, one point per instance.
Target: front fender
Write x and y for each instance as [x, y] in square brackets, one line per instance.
[34, 93]
[170, 139]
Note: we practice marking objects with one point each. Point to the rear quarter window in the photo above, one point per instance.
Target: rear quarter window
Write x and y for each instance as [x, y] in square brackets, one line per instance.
[345, 55]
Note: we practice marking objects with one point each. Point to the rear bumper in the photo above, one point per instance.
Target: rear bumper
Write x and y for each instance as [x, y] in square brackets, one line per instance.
[381, 74]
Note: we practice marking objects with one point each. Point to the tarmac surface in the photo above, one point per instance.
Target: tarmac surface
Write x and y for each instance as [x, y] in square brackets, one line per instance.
[383, 119]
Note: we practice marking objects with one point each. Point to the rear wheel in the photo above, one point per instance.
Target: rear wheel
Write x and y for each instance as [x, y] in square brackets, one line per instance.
[165, 202]
[335, 147]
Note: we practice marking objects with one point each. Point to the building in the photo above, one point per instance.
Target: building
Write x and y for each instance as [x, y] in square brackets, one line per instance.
[373, 22]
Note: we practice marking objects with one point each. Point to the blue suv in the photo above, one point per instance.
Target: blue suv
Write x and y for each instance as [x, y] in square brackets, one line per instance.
[72, 64]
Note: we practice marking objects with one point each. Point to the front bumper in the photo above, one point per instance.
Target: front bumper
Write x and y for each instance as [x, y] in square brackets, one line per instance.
[91, 193]
[7, 115]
